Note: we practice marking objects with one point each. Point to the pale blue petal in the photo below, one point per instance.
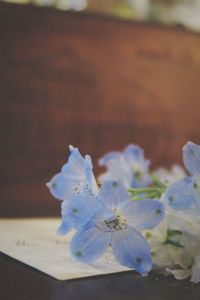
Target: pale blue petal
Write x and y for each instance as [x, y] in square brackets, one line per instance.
[64, 227]
[113, 194]
[64, 186]
[79, 210]
[179, 195]
[75, 163]
[191, 158]
[132, 250]
[134, 155]
[118, 170]
[89, 244]
[115, 155]
[196, 190]
[143, 214]
[58, 186]
[90, 179]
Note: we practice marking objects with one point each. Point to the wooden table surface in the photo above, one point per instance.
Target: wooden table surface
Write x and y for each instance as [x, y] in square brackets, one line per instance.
[20, 282]
[99, 84]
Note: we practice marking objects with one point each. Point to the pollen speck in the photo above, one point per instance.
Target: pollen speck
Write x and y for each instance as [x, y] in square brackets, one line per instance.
[195, 185]
[138, 260]
[171, 198]
[78, 253]
[158, 211]
[114, 184]
[54, 185]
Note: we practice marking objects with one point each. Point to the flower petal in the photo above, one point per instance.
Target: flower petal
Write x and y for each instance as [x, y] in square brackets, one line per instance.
[91, 181]
[79, 210]
[118, 170]
[196, 190]
[143, 214]
[64, 227]
[115, 155]
[75, 163]
[132, 250]
[162, 257]
[191, 158]
[59, 186]
[184, 221]
[89, 244]
[114, 195]
[179, 195]
[168, 176]
[180, 274]
[135, 155]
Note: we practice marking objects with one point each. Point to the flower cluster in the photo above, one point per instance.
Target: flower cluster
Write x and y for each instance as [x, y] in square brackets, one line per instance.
[150, 220]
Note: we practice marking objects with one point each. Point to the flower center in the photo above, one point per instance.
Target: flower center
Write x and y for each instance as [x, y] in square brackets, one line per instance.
[137, 173]
[116, 223]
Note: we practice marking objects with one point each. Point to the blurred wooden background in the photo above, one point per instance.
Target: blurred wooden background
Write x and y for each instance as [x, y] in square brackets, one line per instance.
[93, 82]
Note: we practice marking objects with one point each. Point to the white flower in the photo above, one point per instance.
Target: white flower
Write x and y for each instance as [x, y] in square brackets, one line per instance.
[170, 176]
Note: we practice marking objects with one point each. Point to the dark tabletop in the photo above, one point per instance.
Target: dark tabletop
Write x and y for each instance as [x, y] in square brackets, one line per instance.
[19, 281]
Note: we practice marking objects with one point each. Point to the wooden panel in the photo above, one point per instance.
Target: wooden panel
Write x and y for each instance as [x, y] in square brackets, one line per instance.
[93, 82]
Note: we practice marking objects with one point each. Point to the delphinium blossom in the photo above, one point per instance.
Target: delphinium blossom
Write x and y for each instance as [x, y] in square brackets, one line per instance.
[103, 216]
[73, 185]
[129, 167]
[118, 223]
[75, 177]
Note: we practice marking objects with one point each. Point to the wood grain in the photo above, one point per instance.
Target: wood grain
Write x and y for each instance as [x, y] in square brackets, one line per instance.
[93, 82]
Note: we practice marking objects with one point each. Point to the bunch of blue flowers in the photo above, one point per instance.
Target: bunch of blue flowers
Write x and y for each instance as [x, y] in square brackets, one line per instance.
[150, 220]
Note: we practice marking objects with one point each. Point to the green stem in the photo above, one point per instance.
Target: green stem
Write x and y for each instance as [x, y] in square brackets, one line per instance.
[157, 182]
[137, 191]
[173, 243]
[145, 193]
[139, 198]
[172, 232]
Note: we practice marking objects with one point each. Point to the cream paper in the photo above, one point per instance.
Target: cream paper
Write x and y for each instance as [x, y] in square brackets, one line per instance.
[35, 243]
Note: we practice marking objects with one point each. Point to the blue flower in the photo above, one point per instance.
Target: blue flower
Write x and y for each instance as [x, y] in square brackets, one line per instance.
[129, 167]
[185, 193]
[76, 176]
[118, 223]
